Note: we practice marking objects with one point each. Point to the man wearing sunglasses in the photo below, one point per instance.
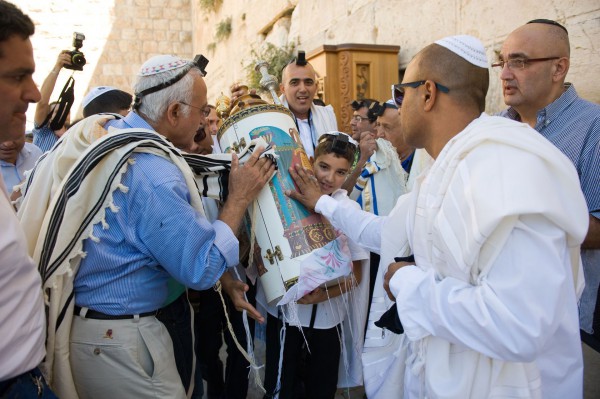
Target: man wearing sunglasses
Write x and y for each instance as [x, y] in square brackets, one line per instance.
[533, 66]
[488, 307]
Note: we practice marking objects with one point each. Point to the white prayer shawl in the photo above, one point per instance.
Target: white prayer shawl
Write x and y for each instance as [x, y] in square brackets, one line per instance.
[382, 180]
[421, 162]
[384, 352]
[68, 192]
[323, 119]
[350, 370]
[461, 239]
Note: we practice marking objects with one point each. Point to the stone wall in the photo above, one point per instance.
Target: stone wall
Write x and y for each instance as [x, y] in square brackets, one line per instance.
[121, 34]
[409, 24]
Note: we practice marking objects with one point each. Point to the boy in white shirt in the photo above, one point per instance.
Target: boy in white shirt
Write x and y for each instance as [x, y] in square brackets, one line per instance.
[312, 350]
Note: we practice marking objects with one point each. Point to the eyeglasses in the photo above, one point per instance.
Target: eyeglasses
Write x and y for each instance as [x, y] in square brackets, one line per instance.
[398, 90]
[519, 63]
[205, 110]
[358, 118]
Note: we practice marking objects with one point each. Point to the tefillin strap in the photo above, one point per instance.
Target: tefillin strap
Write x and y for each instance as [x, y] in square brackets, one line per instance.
[199, 62]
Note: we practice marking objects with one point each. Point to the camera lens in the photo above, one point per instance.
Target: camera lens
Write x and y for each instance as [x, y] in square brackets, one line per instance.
[78, 59]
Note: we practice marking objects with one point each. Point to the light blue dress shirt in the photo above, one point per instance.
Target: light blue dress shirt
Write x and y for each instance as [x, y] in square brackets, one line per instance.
[44, 138]
[14, 174]
[155, 234]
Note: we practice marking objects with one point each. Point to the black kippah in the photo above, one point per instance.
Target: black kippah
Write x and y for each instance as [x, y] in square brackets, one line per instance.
[547, 22]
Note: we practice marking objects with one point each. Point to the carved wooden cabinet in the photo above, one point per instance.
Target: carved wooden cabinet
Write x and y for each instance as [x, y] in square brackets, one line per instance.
[347, 72]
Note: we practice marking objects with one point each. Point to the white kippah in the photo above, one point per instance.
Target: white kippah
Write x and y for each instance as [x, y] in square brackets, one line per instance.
[467, 47]
[162, 63]
[392, 103]
[95, 93]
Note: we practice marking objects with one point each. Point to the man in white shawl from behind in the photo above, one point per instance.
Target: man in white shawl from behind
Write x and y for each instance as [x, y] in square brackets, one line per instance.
[489, 308]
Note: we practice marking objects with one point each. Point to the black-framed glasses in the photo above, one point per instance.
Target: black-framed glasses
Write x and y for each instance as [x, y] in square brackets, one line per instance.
[205, 110]
[519, 63]
[398, 89]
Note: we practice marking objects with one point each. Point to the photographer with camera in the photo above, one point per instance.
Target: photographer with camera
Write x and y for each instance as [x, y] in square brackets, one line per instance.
[43, 136]
[51, 119]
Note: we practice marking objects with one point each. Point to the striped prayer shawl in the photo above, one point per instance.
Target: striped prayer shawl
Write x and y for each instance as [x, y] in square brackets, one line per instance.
[69, 192]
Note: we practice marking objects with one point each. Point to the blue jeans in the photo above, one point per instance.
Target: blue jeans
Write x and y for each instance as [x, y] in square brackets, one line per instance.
[27, 385]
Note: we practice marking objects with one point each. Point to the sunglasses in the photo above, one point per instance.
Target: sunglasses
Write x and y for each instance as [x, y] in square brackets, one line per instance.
[398, 89]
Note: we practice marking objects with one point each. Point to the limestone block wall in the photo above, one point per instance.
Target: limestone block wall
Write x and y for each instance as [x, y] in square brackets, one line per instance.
[409, 24]
[120, 36]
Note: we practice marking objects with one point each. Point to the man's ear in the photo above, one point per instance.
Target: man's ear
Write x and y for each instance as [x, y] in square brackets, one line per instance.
[561, 68]
[281, 90]
[429, 95]
[174, 113]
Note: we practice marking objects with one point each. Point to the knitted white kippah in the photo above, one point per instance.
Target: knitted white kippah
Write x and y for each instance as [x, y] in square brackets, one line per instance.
[162, 63]
[95, 93]
[467, 47]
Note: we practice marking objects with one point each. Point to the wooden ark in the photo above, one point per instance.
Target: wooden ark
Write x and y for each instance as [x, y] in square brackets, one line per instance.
[348, 72]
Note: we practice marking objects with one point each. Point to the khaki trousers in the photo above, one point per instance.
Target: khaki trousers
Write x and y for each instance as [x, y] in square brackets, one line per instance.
[130, 358]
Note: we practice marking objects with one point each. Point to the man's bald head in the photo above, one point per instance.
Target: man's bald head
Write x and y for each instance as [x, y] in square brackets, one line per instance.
[547, 38]
[430, 115]
[539, 81]
[468, 83]
[299, 86]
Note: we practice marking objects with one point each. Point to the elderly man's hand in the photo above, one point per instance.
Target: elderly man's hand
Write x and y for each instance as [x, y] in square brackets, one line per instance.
[367, 145]
[246, 181]
[393, 268]
[309, 190]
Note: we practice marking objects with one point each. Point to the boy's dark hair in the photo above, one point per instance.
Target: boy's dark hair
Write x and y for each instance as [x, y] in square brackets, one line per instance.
[112, 101]
[331, 144]
[14, 22]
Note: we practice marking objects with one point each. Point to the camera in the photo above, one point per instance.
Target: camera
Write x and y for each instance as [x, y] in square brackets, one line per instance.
[77, 57]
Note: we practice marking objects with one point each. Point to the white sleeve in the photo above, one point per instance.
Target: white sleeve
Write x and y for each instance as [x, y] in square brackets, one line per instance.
[359, 226]
[514, 310]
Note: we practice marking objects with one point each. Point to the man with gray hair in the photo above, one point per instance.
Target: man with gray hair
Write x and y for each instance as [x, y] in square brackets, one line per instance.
[123, 219]
[488, 307]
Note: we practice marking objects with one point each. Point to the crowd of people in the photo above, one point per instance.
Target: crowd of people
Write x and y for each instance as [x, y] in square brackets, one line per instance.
[471, 241]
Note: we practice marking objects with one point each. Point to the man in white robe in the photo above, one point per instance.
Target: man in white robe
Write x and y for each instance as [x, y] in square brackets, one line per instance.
[489, 308]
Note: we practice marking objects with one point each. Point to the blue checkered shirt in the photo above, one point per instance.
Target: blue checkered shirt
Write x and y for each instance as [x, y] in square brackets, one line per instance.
[572, 124]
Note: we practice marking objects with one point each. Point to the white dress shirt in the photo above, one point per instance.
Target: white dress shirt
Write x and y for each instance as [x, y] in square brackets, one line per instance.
[23, 325]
